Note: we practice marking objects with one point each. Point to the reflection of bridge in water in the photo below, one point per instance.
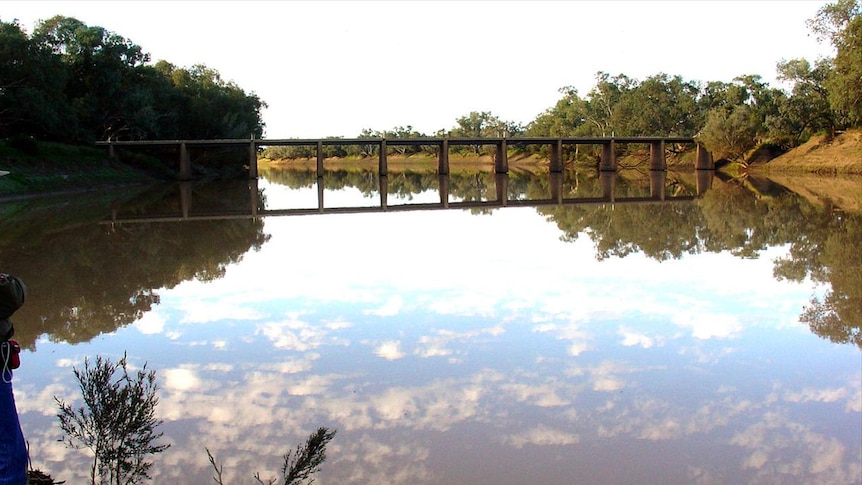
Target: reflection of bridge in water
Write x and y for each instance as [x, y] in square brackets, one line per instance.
[607, 180]
[608, 162]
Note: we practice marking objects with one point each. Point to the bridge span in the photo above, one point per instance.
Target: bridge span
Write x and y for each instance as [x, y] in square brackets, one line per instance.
[608, 163]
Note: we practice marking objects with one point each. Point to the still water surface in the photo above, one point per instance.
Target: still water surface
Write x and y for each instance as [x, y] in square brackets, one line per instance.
[589, 343]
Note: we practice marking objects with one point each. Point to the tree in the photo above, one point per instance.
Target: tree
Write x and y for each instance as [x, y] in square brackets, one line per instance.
[845, 83]
[729, 133]
[117, 422]
[808, 105]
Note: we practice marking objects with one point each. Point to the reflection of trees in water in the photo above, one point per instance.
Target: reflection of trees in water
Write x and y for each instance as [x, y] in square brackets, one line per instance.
[89, 279]
[742, 218]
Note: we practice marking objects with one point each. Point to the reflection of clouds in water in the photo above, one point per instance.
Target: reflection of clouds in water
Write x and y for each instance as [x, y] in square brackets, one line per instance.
[438, 345]
[541, 436]
[580, 339]
[390, 308]
[299, 335]
[389, 350]
[151, 323]
[367, 460]
[706, 326]
[206, 310]
[634, 338]
[781, 448]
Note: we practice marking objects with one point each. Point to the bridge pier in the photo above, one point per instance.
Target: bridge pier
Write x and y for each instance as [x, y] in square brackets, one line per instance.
[556, 164]
[609, 157]
[501, 157]
[443, 157]
[252, 159]
[253, 195]
[185, 162]
[703, 159]
[657, 158]
[319, 158]
[382, 153]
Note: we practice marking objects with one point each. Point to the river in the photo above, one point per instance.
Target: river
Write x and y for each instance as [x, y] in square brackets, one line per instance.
[517, 329]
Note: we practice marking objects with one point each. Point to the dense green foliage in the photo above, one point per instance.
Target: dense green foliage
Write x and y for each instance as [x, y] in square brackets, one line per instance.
[75, 83]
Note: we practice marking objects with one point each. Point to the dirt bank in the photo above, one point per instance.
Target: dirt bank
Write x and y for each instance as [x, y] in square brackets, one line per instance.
[820, 155]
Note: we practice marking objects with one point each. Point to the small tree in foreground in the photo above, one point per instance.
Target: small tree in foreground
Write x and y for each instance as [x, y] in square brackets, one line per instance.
[117, 421]
[299, 464]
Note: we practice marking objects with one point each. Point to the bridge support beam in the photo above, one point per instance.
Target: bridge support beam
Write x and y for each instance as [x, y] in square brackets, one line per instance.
[185, 199]
[185, 163]
[443, 158]
[252, 159]
[657, 184]
[319, 158]
[609, 157]
[384, 171]
[501, 157]
[556, 164]
[703, 159]
[657, 159]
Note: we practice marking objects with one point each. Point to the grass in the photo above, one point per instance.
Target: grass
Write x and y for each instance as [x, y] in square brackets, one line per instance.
[37, 167]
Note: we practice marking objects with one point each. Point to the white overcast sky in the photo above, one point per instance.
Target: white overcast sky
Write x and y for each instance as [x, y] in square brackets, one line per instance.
[331, 68]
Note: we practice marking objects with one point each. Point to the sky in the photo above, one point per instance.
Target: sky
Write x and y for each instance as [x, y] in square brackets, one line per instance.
[331, 68]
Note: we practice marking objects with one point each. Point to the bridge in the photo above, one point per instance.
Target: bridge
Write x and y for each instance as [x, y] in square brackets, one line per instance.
[608, 163]
[185, 208]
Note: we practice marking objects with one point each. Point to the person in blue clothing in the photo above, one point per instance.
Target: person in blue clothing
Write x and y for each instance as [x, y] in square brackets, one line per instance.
[13, 449]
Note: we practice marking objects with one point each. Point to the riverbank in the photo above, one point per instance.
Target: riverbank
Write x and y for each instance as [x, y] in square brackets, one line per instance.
[37, 168]
[819, 155]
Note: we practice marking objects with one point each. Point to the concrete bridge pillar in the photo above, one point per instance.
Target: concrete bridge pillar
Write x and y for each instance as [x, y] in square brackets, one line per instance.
[657, 159]
[703, 158]
[382, 165]
[111, 153]
[501, 157]
[252, 159]
[319, 158]
[185, 162]
[657, 184]
[556, 156]
[501, 182]
[443, 157]
[609, 157]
